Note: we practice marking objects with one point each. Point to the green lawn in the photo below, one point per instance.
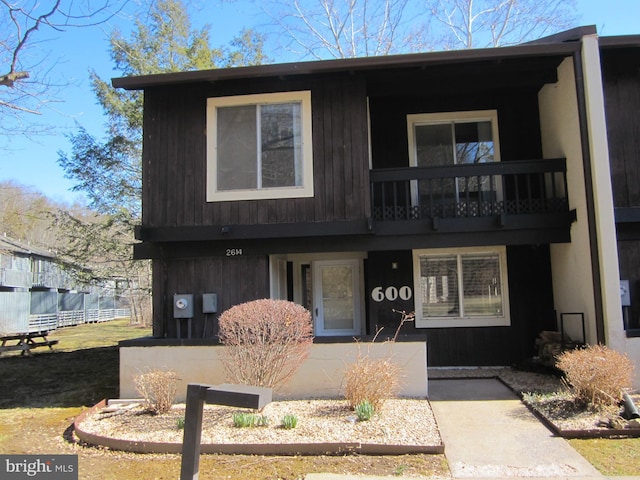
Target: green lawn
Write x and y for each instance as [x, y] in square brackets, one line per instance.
[611, 457]
[42, 394]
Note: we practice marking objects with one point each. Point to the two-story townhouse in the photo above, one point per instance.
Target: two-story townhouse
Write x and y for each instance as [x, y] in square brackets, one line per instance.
[471, 187]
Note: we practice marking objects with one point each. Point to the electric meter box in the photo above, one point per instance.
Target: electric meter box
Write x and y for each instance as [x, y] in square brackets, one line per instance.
[183, 305]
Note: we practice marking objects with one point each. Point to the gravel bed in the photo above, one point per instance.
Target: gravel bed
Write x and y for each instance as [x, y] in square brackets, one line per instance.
[400, 422]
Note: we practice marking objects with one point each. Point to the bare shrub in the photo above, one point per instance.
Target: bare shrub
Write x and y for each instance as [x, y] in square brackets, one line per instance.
[596, 374]
[266, 340]
[371, 379]
[158, 389]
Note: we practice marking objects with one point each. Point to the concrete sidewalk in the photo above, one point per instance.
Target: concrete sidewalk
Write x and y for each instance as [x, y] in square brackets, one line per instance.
[489, 433]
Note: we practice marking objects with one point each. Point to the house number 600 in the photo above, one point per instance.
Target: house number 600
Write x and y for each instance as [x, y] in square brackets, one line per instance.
[378, 294]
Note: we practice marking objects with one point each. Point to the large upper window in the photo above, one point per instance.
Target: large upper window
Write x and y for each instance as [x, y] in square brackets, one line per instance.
[461, 287]
[259, 146]
[453, 138]
[441, 139]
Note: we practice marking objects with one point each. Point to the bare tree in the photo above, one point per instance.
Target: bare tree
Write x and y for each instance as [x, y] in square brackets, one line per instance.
[493, 23]
[24, 214]
[25, 86]
[320, 29]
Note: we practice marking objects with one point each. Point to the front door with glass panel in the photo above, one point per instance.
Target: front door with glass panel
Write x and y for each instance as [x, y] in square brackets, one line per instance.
[336, 297]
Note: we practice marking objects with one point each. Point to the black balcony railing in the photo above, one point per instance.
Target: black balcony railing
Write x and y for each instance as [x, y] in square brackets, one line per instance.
[462, 191]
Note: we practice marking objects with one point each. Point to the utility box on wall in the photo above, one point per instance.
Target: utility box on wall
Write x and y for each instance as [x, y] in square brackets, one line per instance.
[183, 305]
[209, 302]
[625, 293]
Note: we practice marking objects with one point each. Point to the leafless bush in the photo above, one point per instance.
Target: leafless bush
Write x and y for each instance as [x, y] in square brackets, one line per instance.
[371, 379]
[266, 340]
[596, 374]
[158, 389]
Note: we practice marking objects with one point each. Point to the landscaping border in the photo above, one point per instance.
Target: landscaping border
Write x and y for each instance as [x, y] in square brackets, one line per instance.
[286, 449]
[582, 434]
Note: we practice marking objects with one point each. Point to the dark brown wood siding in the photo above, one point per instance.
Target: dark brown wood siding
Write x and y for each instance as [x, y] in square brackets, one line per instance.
[621, 79]
[235, 280]
[518, 122]
[530, 301]
[175, 158]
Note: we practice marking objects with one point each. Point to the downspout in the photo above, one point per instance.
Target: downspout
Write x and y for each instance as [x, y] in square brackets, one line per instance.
[578, 66]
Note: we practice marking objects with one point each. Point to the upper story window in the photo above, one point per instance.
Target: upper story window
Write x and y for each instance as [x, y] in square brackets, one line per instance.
[453, 138]
[259, 147]
[465, 287]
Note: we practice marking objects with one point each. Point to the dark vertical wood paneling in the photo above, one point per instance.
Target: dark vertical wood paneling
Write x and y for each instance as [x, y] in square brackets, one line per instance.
[158, 303]
[349, 161]
[339, 157]
[531, 310]
[235, 280]
[381, 274]
[357, 110]
[518, 122]
[621, 79]
[329, 155]
[175, 160]
[319, 153]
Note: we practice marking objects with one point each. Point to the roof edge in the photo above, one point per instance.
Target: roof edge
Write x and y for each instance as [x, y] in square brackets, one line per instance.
[344, 65]
[620, 41]
[572, 35]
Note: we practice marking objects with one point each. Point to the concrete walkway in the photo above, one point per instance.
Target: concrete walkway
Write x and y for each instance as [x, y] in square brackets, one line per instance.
[489, 433]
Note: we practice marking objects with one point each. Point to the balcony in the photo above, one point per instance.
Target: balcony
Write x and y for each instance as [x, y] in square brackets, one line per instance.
[14, 278]
[507, 196]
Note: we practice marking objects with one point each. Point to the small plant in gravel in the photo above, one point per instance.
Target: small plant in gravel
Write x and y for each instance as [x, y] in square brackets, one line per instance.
[289, 422]
[365, 410]
[596, 374]
[244, 420]
[158, 389]
[180, 423]
[399, 470]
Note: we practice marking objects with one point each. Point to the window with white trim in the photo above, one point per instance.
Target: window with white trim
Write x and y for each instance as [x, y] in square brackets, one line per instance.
[259, 146]
[466, 287]
[454, 138]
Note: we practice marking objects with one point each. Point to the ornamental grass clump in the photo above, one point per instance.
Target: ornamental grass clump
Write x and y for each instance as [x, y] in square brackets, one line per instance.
[265, 342]
[596, 375]
[158, 389]
[371, 379]
[289, 422]
[244, 420]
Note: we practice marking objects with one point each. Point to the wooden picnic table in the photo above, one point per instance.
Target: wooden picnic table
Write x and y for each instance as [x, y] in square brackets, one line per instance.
[26, 342]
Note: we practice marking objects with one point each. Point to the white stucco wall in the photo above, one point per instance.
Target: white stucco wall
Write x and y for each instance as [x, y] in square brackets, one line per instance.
[571, 263]
[319, 376]
[571, 266]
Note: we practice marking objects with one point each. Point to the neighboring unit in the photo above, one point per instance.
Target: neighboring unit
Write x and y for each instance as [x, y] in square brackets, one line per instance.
[38, 293]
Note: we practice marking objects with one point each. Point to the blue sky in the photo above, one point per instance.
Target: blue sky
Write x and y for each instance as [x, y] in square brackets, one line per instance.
[33, 162]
